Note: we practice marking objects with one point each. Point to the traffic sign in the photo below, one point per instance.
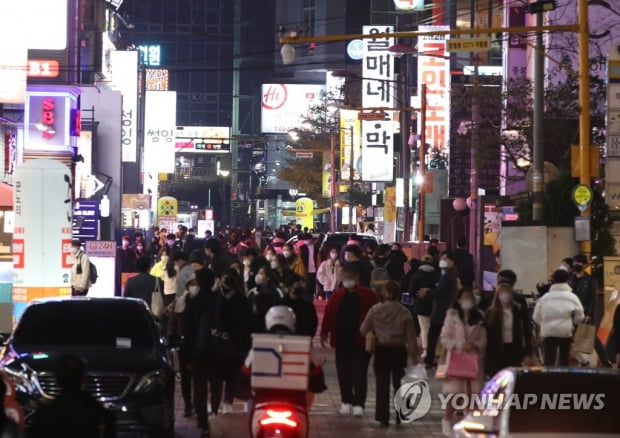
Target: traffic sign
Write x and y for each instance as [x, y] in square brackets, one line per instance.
[468, 44]
[304, 155]
[372, 116]
[582, 196]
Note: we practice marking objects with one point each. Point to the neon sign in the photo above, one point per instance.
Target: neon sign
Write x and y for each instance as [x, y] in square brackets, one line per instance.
[43, 68]
[48, 117]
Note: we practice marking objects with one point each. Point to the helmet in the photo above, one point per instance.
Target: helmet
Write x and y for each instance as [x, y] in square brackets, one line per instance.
[280, 318]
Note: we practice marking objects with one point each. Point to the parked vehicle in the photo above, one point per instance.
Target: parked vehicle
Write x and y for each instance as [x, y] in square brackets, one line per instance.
[554, 402]
[128, 368]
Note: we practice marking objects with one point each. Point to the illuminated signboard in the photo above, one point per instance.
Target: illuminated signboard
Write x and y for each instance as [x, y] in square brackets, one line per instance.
[434, 71]
[203, 139]
[378, 91]
[124, 67]
[150, 54]
[47, 24]
[156, 79]
[43, 68]
[285, 106]
[47, 120]
[14, 52]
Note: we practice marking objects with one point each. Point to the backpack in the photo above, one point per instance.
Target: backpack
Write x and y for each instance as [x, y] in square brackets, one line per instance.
[92, 271]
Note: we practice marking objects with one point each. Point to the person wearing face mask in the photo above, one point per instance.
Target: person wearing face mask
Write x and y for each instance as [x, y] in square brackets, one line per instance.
[252, 262]
[267, 283]
[80, 270]
[585, 287]
[125, 263]
[239, 317]
[344, 313]
[172, 243]
[144, 284]
[442, 297]
[293, 262]
[305, 312]
[425, 277]
[543, 287]
[353, 255]
[164, 270]
[329, 272]
[463, 331]
[509, 342]
[184, 271]
[307, 254]
[198, 325]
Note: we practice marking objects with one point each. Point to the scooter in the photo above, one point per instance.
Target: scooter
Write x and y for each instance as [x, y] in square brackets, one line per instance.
[279, 416]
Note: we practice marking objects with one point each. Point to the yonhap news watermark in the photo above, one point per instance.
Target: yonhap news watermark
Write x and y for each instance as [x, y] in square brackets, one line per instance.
[414, 400]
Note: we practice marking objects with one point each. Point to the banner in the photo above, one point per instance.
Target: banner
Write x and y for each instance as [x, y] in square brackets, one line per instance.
[378, 91]
[434, 71]
[350, 142]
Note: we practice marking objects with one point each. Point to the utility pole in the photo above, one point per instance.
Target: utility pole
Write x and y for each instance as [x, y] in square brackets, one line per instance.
[351, 175]
[538, 175]
[332, 183]
[422, 166]
[235, 131]
[405, 128]
[584, 104]
[474, 206]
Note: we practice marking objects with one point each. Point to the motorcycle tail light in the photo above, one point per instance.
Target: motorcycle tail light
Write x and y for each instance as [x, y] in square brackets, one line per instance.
[278, 418]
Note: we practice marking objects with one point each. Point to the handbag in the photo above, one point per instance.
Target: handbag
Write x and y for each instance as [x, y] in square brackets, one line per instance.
[371, 342]
[462, 365]
[583, 341]
[157, 301]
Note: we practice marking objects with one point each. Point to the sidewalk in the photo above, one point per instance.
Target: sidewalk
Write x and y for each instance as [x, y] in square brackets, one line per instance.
[325, 422]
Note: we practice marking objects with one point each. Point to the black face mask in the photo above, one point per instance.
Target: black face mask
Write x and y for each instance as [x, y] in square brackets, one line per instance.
[578, 268]
[299, 291]
[229, 283]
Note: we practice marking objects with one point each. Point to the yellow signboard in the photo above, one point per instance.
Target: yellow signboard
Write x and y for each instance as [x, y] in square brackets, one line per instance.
[468, 44]
[304, 209]
[582, 194]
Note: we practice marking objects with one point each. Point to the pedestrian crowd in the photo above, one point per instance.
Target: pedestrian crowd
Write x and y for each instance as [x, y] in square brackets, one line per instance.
[378, 303]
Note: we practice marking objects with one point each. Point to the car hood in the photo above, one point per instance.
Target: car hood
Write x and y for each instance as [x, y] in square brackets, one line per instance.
[98, 360]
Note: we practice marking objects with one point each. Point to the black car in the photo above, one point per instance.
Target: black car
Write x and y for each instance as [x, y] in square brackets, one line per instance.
[128, 367]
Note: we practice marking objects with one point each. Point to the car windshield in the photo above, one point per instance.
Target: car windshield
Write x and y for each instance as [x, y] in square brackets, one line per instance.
[114, 324]
[579, 402]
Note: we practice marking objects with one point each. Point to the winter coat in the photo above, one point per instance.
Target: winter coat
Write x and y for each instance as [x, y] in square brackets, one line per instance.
[328, 275]
[81, 281]
[425, 277]
[455, 333]
[558, 311]
[443, 296]
[585, 289]
[392, 325]
[465, 266]
[521, 338]
[330, 318]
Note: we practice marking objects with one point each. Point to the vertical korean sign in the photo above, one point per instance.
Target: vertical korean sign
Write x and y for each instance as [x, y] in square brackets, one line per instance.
[434, 71]
[125, 80]
[42, 248]
[377, 91]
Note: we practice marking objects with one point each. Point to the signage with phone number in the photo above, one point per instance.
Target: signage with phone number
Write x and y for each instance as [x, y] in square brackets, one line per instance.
[101, 248]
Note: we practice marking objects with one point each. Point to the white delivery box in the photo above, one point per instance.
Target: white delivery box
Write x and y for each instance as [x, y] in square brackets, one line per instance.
[280, 361]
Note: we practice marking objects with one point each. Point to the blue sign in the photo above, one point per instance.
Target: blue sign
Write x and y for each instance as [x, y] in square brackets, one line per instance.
[355, 50]
[86, 220]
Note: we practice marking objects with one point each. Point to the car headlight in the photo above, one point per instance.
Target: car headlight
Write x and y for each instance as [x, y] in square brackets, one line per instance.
[23, 378]
[151, 382]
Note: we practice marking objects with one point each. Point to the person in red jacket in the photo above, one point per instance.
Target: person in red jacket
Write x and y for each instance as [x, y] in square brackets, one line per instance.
[344, 314]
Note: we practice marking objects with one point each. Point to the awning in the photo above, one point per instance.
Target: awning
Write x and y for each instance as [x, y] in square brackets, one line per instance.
[6, 195]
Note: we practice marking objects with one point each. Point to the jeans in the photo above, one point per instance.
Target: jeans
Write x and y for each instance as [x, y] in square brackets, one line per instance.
[551, 346]
[352, 367]
[425, 324]
[431, 346]
[389, 366]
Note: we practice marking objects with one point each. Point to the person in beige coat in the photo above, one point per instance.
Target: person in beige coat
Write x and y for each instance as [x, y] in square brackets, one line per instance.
[396, 339]
[80, 270]
[463, 330]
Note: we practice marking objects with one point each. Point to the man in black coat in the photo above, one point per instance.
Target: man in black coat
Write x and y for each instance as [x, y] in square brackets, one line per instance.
[464, 263]
[306, 321]
[144, 284]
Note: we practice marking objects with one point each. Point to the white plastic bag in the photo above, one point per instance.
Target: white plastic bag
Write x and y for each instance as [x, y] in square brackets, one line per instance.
[415, 372]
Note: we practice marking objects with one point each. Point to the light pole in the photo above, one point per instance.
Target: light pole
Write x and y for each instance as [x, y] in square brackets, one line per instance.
[422, 166]
[332, 183]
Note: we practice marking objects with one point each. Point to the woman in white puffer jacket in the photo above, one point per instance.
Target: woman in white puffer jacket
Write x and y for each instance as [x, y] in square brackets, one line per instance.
[557, 313]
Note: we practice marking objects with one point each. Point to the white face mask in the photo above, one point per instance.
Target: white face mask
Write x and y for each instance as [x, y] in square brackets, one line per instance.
[270, 257]
[74, 251]
[348, 257]
[193, 290]
[259, 278]
[349, 284]
[333, 255]
[443, 264]
[177, 268]
[466, 304]
[246, 263]
[170, 242]
[125, 244]
[274, 264]
[478, 299]
[165, 258]
[287, 254]
[563, 267]
[140, 248]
